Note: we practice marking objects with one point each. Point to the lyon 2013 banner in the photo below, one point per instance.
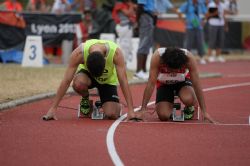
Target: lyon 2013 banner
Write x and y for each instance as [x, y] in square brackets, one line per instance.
[14, 27]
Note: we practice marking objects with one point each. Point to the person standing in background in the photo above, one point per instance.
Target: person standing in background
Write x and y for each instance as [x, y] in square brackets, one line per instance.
[162, 6]
[231, 6]
[146, 17]
[89, 5]
[124, 15]
[60, 6]
[216, 29]
[194, 11]
[37, 6]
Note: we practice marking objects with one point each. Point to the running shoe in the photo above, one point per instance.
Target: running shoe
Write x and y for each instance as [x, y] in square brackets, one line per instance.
[141, 75]
[84, 105]
[211, 58]
[221, 59]
[188, 112]
[203, 61]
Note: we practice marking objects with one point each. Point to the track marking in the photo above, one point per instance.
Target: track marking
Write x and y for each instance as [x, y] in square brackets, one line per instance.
[110, 139]
[226, 86]
[249, 120]
[110, 135]
[194, 123]
[237, 75]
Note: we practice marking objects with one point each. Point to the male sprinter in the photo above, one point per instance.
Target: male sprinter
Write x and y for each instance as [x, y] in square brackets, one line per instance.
[174, 69]
[100, 64]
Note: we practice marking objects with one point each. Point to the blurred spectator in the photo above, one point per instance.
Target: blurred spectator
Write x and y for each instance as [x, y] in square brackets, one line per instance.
[76, 5]
[12, 5]
[88, 24]
[60, 6]
[147, 18]
[37, 6]
[124, 14]
[86, 27]
[102, 17]
[231, 6]
[162, 6]
[194, 10]
[89, 5]
[216, 24]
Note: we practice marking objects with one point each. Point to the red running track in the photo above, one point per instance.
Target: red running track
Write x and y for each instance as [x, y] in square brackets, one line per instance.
[27, 140]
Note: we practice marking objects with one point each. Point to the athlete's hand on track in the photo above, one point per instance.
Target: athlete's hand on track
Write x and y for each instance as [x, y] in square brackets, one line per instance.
[130, 115]
[50, 115]
[141, 114]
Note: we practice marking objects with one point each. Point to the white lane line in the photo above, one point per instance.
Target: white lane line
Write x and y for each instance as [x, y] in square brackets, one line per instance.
[110, 142]
[110, 135]
[237, 75]
[226, 86]
[110, 139]
[249, 120]
[194, 123]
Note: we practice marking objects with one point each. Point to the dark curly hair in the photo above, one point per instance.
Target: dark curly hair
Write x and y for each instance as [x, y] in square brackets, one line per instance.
[174, 58]
[96, 63]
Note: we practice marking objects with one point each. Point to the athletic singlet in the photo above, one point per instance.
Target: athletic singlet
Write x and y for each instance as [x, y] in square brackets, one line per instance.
[168, 77]
[109, 75]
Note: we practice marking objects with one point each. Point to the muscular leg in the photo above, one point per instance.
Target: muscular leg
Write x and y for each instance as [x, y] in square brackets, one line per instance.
[80, 84]
[111, 109]
[187, 96]
[164, 110]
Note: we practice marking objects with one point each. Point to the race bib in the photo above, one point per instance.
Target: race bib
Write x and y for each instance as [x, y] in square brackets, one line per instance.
[171, 78]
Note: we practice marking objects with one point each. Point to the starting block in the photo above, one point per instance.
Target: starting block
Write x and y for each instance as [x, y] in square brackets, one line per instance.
[178, 112]
[96, 114]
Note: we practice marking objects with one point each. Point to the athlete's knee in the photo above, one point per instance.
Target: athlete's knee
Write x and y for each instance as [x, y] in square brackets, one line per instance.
[80, 87]
[164, 115]
[112, 111]
[188, 99]
[112, 115]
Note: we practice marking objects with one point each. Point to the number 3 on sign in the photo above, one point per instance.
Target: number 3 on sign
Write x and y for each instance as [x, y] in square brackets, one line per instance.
[33, 52]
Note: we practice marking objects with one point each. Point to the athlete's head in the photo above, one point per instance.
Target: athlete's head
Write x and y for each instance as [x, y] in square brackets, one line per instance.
[96, 63]
[174, 58]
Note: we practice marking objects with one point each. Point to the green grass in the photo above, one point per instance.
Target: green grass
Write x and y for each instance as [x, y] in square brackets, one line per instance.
[17, 82]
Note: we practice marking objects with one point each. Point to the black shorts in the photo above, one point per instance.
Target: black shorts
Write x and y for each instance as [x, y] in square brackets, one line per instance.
[106, 92]
[168, 91]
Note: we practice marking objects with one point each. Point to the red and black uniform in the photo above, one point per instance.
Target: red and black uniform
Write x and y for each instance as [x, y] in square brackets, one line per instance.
[169, 83]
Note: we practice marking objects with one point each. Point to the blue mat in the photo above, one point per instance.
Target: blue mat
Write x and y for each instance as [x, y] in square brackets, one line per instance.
[14, 56]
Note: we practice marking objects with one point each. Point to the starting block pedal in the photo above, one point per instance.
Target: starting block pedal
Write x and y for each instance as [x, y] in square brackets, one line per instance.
[178, 113]
[96, 114]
